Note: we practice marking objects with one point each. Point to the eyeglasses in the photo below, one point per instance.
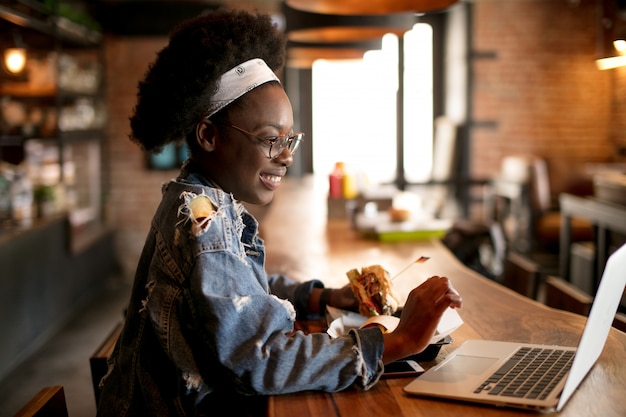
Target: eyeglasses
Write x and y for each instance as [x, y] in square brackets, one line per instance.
[276, 144]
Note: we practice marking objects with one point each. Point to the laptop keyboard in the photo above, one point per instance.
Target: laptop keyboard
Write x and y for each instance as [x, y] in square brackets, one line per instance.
[529, 373]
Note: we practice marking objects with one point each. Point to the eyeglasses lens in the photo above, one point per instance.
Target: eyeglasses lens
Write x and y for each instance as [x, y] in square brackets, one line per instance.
[290, 142]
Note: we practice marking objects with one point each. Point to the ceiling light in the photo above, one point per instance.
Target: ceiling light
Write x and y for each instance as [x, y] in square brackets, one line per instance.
[14, 60]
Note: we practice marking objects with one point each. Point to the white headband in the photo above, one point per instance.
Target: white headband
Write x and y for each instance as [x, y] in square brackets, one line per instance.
[237, 81]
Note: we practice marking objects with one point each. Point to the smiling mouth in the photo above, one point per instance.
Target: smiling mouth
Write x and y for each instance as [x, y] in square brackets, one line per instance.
[272, 181]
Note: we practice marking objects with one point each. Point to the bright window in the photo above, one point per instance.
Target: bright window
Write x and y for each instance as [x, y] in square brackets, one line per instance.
[354, 110]
[418, 103]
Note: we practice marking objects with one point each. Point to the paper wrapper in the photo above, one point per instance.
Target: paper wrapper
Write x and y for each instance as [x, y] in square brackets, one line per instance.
[342, 321]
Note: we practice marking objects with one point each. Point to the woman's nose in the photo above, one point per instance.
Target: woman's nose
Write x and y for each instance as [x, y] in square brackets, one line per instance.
[284, 158]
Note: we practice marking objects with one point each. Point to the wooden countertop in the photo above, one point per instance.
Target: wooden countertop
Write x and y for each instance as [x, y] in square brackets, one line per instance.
[302, 243]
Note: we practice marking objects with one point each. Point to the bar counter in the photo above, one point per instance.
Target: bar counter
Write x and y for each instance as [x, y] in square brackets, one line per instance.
[304, 244]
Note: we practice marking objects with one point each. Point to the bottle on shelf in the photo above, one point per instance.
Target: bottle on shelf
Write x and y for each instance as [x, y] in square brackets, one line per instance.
[22, 199]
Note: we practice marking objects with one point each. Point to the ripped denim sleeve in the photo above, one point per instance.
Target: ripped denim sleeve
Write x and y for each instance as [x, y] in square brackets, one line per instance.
[369, 346]
[296, 292]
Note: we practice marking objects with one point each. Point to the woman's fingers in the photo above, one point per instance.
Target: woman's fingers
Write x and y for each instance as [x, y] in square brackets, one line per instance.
[443, 291]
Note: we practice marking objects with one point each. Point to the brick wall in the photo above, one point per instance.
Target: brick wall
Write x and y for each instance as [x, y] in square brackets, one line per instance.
[134, 190]
[618, 111]
[541, 90]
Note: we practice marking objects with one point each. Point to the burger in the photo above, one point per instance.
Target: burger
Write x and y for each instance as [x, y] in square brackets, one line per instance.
[372, 289]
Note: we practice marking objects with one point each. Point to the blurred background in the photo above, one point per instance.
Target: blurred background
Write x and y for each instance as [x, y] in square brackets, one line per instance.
[437, 109]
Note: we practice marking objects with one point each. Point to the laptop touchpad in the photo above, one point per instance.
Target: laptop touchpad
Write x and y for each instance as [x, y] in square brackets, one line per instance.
[467, 365]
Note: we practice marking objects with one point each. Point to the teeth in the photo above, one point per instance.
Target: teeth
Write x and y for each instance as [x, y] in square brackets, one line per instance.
[272, 178]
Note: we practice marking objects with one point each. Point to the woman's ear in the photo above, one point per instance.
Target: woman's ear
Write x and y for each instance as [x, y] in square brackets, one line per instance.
[206, 132]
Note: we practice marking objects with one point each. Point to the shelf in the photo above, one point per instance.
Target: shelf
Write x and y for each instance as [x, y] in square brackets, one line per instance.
[24, 90]
[25, 21]
[77, 34]
[81, 135]
[68, 136]
[56, 115]
[60, 27]
[11, 140]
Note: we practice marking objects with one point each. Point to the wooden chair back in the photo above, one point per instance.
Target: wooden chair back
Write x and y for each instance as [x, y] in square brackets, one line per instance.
[565, 296]
[49, 402]
[98, 360]
[521, 274]
[520, 198]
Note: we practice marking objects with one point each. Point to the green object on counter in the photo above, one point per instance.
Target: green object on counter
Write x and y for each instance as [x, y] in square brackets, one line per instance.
[412, 235]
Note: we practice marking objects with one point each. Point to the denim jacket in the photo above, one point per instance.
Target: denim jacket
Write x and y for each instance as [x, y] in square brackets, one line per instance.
[203, 331]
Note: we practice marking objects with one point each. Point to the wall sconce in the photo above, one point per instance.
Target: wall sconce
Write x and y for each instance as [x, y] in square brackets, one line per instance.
[616, 61]
[14, 56]
[620, 45]
[14, 60]
[611, 32]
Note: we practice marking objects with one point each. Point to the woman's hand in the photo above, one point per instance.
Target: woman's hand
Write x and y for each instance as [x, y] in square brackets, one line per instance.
[420, 317]
[343, 298]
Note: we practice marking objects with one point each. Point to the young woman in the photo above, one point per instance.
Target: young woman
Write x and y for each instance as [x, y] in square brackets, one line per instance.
[207, 331]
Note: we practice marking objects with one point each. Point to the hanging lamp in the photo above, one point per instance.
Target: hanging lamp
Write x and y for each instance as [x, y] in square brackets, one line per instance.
[369, 7]
[310, 27]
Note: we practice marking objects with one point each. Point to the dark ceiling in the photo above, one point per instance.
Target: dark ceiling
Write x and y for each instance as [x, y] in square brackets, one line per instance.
[146, 17]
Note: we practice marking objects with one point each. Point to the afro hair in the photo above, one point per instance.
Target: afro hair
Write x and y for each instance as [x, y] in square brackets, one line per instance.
[175, 92]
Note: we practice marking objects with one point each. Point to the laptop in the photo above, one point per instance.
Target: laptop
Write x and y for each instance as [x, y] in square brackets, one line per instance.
[478, 370]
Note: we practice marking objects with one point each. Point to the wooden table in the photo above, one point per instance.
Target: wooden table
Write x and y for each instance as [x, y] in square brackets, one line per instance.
[605, 217]
[301, 242]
